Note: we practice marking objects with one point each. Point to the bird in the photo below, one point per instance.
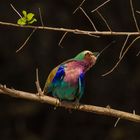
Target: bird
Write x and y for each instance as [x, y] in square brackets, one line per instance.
[66, 81]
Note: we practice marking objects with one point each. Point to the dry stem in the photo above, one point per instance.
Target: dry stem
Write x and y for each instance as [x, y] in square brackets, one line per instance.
[75, 31]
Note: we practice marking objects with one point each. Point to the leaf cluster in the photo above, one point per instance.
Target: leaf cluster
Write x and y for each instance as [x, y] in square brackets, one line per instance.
[28, 18]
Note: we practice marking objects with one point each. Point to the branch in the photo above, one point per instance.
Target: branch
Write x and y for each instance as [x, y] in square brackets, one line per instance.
[86, 108]
[21, 47]
[105, 21]
[100, 6]
[133, 13]
[75, 31]
[88, 18]
[78, 6]
[122, 55]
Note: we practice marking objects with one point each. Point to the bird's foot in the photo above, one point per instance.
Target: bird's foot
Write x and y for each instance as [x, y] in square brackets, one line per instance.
[76, 104]
[57, 104]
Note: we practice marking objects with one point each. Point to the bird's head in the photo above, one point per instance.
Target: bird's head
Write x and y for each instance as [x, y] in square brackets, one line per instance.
[87, 56]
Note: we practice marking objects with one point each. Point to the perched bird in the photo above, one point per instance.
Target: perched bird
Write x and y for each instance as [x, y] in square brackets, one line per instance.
[66, 81]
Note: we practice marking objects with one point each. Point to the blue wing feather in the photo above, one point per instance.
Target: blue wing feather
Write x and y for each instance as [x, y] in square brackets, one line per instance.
[59, 74]
[54, 78]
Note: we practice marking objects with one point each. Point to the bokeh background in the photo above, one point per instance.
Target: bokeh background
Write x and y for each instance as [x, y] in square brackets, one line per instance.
[29, 120]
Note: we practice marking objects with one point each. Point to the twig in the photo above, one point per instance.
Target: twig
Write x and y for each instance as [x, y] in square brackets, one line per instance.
[82, 107]
[126, 50]
[40, 15]
[26, 41]
[117, 122]
[138, 53]
[132, 9]
[39, 90]
[104, 20]
[74, 31]
[105, 48]
[100, 6]
[16, 10]
[78, 6]
[138, 12]
[88, 18]
[62, 38]
[121, 52]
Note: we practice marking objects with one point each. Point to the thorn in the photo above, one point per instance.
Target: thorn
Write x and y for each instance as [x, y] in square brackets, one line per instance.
[16, 10]
[108, 106]
[40, 15]
[117, 122]
[138, 53]
[134, 112]
[62, 38]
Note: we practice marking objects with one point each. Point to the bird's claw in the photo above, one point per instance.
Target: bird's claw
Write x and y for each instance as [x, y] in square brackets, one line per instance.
[76, 104]
[57, 104]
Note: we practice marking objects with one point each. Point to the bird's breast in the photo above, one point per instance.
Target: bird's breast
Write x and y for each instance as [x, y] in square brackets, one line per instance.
[72, 74]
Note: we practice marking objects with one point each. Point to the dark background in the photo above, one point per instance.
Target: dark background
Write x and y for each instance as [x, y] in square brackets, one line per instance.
[28, 120]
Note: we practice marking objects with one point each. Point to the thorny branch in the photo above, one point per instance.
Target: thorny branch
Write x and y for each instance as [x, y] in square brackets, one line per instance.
[122, 56]
[82, 107]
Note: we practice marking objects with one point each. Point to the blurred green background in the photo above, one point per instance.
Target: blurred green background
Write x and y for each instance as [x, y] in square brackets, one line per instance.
[28, 120]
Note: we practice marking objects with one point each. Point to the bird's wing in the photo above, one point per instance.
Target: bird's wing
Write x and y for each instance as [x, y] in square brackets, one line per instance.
[81, 86]
[55, 76]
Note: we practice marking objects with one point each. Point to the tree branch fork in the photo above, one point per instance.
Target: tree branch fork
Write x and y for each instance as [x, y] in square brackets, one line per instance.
[69, 105]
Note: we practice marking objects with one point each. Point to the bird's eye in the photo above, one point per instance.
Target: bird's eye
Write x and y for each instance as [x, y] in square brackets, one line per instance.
[88, 54]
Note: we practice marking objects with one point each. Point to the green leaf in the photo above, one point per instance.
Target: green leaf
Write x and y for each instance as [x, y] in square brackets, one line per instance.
[24, 13]
[32, 21]
[22, 21]
[30, 16]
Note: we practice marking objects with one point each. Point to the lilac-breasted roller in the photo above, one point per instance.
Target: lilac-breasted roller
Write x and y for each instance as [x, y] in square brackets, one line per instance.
[66, 81]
